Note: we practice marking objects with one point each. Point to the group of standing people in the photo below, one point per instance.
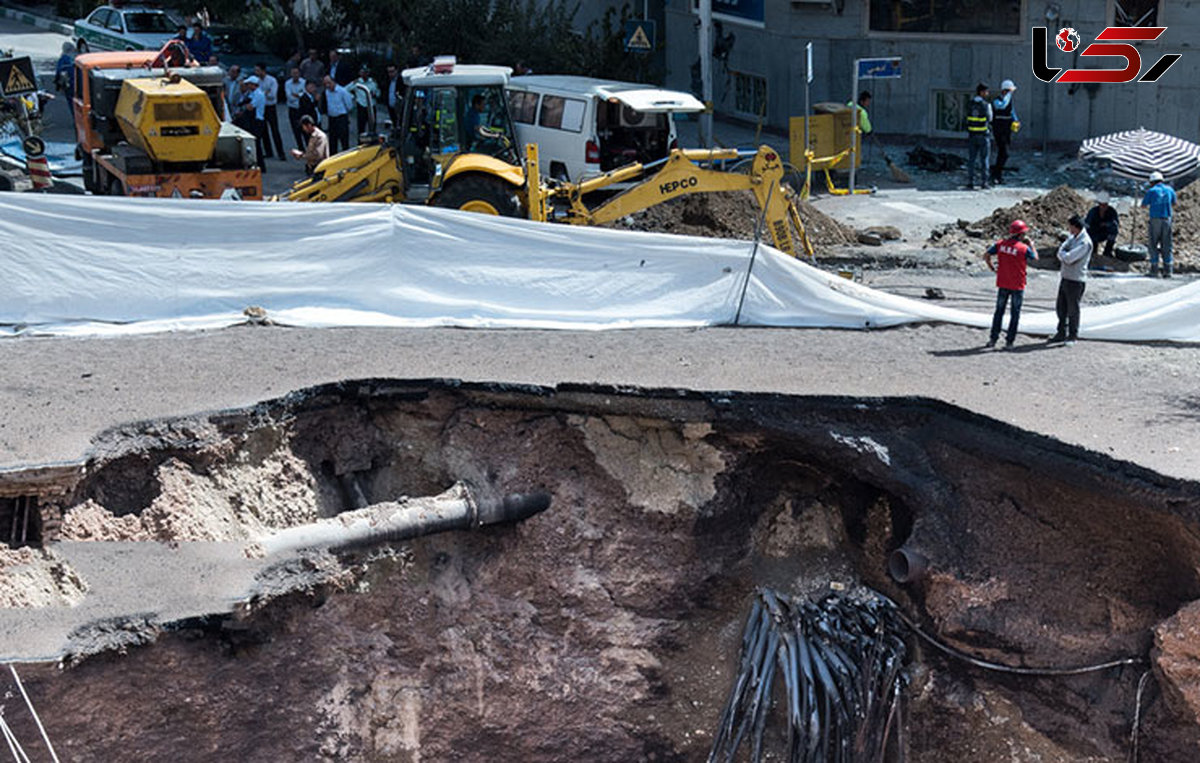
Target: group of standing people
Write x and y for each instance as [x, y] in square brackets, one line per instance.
[1074, 255]
[315, 91]
[990, 120]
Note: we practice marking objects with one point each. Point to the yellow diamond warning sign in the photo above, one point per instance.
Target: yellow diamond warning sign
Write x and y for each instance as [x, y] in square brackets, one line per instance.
[16, 76]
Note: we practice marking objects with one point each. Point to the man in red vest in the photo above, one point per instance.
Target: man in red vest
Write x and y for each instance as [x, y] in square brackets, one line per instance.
[1011, 256]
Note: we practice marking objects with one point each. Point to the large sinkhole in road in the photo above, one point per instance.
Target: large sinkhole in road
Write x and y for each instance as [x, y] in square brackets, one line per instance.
[608, 627]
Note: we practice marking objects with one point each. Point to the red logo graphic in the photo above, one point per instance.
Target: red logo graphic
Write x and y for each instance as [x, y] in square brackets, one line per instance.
[1067, 39]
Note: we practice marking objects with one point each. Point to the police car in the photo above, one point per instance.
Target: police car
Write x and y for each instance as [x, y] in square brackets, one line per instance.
[134, 27]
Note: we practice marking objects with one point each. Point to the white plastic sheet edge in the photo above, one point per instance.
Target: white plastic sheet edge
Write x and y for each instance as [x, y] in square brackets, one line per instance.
[96, 266]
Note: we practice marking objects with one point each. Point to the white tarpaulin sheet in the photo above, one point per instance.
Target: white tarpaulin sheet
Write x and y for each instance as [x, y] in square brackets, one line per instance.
[83, 265]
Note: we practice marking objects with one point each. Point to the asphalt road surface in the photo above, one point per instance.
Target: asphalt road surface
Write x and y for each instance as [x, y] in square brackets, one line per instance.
[1135, 402]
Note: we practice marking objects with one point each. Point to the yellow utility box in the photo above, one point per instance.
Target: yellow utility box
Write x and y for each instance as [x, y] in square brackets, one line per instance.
[172, 120]
[828, 135]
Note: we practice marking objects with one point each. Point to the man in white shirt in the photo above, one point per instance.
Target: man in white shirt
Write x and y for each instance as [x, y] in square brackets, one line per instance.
[366, 94]
[269, 87]
[338, 103]
[293, 90]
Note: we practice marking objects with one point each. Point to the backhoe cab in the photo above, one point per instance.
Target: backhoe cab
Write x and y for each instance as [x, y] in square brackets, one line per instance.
[455, 148]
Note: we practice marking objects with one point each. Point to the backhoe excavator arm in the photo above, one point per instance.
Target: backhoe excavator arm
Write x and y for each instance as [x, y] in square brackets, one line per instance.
[680, 176]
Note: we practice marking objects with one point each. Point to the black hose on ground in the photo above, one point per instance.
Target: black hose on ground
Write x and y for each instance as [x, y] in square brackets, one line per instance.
[961, 655]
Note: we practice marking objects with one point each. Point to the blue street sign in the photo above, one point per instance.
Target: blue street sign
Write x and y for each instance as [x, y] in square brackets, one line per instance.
[639, 36]
[753, 11]
[879, 68]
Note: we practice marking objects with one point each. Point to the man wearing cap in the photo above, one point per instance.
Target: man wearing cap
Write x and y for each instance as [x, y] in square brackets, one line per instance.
[1011, 256]
[1004, 123]
[317, 149]
[255, 108]
[1103, 224]
[1160, 198]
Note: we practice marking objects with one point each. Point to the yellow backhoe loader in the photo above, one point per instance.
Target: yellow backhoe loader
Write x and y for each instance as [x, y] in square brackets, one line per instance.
[456, 148]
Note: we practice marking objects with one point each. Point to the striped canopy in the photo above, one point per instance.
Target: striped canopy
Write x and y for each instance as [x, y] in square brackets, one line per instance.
[1137, 153]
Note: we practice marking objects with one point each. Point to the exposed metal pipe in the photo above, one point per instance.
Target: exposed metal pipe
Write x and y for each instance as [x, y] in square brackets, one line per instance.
[907, 565]
[459, 508]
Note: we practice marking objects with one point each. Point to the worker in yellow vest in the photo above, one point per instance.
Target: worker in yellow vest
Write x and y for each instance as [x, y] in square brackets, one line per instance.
[979, 128]
[864, 121]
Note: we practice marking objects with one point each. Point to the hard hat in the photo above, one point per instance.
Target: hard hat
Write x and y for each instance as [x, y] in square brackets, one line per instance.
[1017, 227]
[1007, 85]
[1156, 177]
[251, 80]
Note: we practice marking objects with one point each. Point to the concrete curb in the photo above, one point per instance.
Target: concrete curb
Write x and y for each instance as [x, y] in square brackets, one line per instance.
[40, 22]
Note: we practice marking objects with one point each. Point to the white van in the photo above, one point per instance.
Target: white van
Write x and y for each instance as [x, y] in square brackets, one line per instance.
[585, 126]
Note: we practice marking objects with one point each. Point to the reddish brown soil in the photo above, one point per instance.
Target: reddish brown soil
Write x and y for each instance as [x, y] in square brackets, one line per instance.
[607, 628]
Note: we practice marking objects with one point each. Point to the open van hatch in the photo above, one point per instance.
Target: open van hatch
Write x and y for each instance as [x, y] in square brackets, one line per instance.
[654, 100]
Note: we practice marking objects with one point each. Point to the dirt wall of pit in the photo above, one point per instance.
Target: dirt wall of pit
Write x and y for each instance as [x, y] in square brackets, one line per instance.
[607, 628]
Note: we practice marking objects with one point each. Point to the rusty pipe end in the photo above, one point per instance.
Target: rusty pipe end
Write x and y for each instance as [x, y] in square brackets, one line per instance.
[907, 565]
[511, 508]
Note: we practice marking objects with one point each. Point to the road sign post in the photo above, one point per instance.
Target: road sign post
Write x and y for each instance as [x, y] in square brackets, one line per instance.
[17, 77]
[706, 89]
[808, 78]
[867, 68]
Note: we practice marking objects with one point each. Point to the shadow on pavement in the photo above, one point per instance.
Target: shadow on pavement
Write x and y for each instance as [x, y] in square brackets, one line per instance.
[983, 349]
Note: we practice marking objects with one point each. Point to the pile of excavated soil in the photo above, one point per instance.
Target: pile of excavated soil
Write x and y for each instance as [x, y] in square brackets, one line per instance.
[729, 215]
[236, 502]
[1047, 217]
[37, 578]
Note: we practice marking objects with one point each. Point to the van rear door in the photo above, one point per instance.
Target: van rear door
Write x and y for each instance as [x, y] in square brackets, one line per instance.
[636, 124]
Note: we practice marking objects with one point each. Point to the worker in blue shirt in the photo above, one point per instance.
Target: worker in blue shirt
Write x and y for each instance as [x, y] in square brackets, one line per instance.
[1005, 123]
[256, 116]
[200, 44]
[338, 104]
[1160, 198]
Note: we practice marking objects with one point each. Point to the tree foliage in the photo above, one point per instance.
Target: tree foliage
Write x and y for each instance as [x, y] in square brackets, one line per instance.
[541, 33]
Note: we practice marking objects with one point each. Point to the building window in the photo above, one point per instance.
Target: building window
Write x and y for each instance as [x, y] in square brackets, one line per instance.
[995, 17]
[749, 94]
[1135, 12]
[950, 110]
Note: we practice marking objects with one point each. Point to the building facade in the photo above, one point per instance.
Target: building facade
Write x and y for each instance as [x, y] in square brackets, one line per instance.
[947, 47]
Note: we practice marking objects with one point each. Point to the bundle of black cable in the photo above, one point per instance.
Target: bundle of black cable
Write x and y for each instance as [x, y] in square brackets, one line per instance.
[842, 661]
